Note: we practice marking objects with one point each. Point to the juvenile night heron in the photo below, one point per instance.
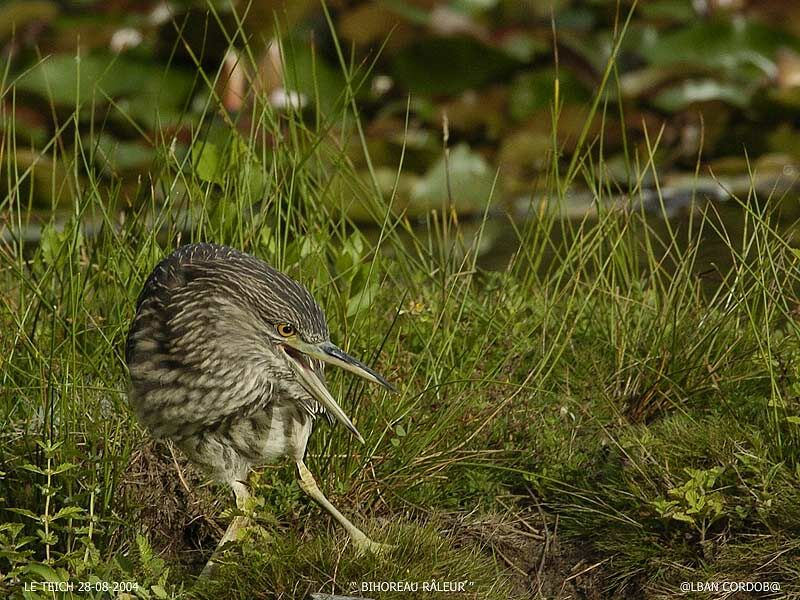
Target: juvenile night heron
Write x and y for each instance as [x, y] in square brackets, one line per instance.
[226, 357]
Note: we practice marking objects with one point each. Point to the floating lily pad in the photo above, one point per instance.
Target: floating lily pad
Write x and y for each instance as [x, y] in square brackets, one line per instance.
[449, 65]
[694, 91]
[533, 91]
[471, 180]
[524, 45]
[161, 100]
[117, 155]
[68, 80]
[730, 45]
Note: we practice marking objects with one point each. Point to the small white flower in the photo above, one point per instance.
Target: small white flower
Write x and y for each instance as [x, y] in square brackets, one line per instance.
[382, 84]
[160, 14]
[125, 39]
[283, 99]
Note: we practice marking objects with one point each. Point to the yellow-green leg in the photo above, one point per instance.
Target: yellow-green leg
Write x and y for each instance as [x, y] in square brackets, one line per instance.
[236, 525]
[360, 539]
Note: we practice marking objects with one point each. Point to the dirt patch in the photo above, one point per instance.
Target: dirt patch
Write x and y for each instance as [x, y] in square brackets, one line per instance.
[172, 502]
[542, 564]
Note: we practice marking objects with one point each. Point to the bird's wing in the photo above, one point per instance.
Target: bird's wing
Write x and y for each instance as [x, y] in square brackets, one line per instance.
[194, 357]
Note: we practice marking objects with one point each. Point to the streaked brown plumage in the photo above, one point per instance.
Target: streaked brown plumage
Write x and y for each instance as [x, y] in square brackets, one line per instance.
[226, 357]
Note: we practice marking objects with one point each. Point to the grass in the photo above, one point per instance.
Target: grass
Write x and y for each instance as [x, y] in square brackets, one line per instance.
[603, 422]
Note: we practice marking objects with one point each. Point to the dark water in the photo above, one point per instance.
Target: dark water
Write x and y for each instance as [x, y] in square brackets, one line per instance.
[500, 234]
[726, 219]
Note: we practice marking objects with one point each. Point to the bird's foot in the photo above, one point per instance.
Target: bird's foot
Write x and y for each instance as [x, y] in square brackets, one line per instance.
[208, 570]
[367, 546]
[237, 528]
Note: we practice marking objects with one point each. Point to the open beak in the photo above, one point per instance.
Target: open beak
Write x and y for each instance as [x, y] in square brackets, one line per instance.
[300, 352]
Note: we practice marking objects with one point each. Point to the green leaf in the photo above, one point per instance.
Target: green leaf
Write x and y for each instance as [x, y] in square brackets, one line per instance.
[49, 446]
[43, 572]
[48, 538]
[67, 80]
[531, 92]
[143, 91]
[362, 300]
[64, 467]
[793, 419]
[726, 45]
[69, 512]
[29, 466]
[682, 516]
[207, 160]
[25, 513]
[471, 181]
[692, 91]
[116, 155]
[449, 65]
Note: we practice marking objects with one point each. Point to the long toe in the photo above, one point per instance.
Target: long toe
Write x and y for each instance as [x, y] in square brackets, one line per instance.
[367, 546]
[208, 570]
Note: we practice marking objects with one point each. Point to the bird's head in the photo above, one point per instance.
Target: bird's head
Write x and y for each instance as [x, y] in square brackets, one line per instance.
[298, 331]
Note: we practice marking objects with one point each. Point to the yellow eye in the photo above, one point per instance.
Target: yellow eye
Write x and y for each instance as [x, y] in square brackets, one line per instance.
[285, 329]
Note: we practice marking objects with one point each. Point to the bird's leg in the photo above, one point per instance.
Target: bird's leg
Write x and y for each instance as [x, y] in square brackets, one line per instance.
[238, 523]
[360, 539]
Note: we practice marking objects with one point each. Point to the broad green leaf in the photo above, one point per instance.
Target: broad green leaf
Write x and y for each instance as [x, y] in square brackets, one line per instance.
[68, 80]
[693, 91]
[723, 44]
[25, 513]
[471, 179]
[43, 572]
[28, 466]
[449, 65]
[207, 161]
[117, 155]
[530, 92]
[682, 516]
[362, 300]
[69, 512]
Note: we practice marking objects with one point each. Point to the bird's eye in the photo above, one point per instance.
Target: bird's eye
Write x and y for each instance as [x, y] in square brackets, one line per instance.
[285, 329]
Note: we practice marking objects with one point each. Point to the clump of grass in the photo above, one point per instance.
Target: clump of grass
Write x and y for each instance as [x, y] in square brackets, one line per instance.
[676, 438]
[284, 564]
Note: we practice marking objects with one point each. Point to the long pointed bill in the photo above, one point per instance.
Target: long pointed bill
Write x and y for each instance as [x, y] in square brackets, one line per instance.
[299, 352]
[331, 354]
[317, 388]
